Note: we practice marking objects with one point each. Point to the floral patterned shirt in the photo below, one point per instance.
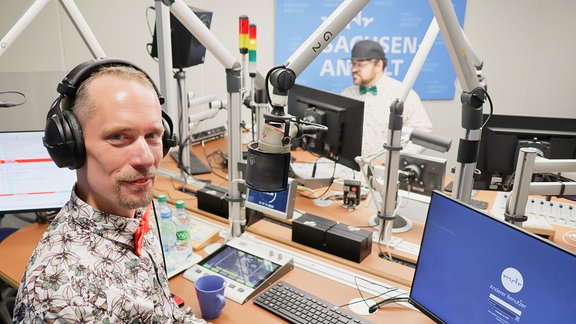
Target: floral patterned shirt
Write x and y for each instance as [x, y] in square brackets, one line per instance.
[84, 269]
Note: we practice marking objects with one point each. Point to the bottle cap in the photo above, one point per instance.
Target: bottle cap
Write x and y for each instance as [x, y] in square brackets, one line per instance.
[162, 198]
[165, 213]
[180, 204]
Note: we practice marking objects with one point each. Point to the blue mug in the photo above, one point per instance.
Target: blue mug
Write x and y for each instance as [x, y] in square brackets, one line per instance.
[210, 294]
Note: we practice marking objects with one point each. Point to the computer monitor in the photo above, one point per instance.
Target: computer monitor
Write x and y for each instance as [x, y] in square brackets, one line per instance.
[278, 204]
[343, 116]
[475, 268]
[29, 179]
[504, 135]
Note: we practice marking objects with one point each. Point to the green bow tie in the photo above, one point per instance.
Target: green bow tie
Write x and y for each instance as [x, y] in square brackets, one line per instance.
[372, 89]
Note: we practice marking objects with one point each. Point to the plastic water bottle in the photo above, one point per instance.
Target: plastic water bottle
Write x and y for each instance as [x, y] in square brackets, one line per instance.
[168, 235]
[162, 203]
[181, 219]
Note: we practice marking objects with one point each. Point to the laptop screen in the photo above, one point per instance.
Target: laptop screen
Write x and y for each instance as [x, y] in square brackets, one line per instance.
[29, 179]
[473, 268]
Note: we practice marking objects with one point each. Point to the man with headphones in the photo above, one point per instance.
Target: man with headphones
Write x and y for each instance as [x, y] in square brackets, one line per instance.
[100, 260]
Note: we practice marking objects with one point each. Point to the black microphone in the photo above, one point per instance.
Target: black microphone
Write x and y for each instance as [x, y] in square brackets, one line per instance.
[311, 129]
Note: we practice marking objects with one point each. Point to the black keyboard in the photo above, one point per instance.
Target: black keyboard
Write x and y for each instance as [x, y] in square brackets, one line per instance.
[298, 306]
[197, 166]
[480, 204]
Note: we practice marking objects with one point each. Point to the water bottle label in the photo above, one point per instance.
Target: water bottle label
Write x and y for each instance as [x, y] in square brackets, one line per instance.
[183, 236]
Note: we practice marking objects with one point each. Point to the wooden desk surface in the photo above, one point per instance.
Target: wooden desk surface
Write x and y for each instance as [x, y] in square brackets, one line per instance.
[17, 248]
[358, 217]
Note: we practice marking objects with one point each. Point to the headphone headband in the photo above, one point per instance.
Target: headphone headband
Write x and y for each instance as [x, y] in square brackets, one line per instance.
[68, 87]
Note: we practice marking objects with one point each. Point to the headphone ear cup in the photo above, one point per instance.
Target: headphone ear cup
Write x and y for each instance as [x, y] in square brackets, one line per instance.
[169, 139]
[63, 140]
[75, 139]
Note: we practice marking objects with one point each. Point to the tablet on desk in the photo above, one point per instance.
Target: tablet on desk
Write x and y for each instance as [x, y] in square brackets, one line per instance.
[247, 267]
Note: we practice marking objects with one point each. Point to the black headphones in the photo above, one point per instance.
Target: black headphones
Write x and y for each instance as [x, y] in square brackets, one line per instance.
[63, 136]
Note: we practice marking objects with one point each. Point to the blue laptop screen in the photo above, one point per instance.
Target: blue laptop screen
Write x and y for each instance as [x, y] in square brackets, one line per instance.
[473, 268]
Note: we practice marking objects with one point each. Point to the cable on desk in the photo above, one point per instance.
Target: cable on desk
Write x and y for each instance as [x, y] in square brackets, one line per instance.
[364, 299]
[327, 188]
[381, 254]
[376, 306]
[212, 156]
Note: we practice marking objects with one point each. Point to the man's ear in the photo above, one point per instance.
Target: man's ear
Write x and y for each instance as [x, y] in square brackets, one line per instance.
[380, 64]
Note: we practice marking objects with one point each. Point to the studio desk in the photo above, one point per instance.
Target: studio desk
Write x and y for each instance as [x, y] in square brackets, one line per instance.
[17, 248]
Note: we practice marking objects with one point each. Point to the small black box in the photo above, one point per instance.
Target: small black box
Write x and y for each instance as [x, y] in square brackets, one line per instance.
[352, 193]
[349, 242]
[212, 199]
[310, 230]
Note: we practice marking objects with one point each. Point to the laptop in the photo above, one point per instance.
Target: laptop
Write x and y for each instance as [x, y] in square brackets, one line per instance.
[474, 268]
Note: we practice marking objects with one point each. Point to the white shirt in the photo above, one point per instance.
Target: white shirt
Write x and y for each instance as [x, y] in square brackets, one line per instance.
[377, 112]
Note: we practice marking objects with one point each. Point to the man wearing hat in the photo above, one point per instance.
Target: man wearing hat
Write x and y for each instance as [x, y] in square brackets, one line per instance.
[378, 91]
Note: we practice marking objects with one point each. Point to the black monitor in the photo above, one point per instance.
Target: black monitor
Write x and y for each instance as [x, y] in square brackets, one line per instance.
[343, 116]
[475, 268]
[29, 180]
[504, 135]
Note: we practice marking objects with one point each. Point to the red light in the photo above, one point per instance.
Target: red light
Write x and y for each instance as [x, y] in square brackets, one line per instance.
[243, 26]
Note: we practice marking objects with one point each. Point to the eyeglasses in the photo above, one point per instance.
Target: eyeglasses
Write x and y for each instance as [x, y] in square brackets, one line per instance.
[360, 63]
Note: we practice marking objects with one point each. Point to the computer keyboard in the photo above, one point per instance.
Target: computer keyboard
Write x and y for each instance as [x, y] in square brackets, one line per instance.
[540, 210]
[297, 306]
[197, 166]
[480, 204]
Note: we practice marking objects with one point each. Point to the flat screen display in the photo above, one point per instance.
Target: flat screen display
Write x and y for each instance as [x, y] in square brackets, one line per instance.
[29, 179]
[279, 204]
[474, 268]
[240, 266]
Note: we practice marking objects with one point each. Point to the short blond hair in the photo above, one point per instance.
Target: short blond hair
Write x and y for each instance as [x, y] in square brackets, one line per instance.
[82, 106]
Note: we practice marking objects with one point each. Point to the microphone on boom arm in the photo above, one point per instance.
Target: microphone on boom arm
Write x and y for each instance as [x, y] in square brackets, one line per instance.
[268, 160]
